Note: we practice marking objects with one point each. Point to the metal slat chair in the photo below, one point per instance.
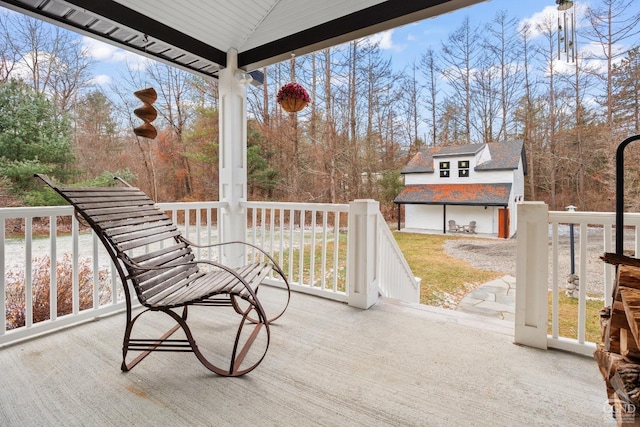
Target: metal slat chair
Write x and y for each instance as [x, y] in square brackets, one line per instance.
[150, 253]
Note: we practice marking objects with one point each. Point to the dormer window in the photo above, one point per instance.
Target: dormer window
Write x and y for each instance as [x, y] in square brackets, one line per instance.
[445, 168]
[463, 168]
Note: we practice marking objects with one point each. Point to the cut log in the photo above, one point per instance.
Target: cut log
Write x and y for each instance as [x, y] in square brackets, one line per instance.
[628, 346]
[618, 316]
[615, 259]
[631, 304]
[629, 276]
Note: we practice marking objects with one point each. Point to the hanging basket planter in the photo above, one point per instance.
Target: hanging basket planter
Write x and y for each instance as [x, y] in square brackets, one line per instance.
[293, 105]
[292, 97]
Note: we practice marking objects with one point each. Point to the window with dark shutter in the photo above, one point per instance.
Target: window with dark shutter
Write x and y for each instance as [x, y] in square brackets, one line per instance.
[445, 169]
[463, 168]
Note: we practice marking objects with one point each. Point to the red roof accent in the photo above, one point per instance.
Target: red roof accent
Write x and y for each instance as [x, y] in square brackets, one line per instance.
[456, 194]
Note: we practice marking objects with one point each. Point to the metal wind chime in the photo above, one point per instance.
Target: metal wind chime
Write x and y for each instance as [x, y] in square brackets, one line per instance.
[566, 30]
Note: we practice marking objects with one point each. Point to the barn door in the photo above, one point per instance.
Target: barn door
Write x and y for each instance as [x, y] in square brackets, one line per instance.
[503, 223]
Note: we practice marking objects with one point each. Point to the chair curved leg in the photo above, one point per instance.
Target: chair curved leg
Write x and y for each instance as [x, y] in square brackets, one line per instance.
[238, 354]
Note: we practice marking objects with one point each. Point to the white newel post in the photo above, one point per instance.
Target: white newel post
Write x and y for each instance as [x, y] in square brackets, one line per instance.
[363, 253]
[532, 272]
[233, 160]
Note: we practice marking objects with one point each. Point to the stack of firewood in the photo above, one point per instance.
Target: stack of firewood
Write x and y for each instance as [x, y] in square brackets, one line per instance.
[618, 356]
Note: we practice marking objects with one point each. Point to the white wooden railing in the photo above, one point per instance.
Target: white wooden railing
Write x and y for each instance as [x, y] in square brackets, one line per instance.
[308, 240]
[539, 273]
[27, 273]
[396, 278]
[311, 241]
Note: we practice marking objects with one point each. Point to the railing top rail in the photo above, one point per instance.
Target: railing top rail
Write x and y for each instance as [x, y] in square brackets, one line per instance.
[605, 218]
[297, 205]
[34, 212]
[191, 205]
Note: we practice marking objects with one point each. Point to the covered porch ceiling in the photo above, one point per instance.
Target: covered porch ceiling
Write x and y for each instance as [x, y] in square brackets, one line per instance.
[196, 35]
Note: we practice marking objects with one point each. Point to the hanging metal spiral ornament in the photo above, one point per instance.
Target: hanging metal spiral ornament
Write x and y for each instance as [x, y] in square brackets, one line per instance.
[147, 113]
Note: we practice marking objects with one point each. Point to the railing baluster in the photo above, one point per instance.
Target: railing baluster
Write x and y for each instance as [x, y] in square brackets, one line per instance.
[301, 250]
[336, 248]
[554, 281]
[96, 270]
[608, 268]
[272, 225]
[582, 289]
[291, 245]
[263, 230]
[28, 274]
[3, 272]
[281, 244]
[53, 276]
[198, 219]
[75, 233]
[323, 268]
[209, 251]
[312, 255]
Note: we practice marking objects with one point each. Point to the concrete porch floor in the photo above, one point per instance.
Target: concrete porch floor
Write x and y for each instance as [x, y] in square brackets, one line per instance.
[328, 364]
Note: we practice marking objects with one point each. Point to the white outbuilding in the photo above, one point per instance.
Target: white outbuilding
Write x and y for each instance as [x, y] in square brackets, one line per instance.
[469, 188]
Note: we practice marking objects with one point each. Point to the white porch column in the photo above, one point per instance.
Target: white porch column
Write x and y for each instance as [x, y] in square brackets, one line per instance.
[362, 258]
[532, 273]
[233, 160]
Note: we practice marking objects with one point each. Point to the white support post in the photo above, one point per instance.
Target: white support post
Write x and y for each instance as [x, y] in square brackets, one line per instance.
[362, 257]
[532, 272]
[233, 160]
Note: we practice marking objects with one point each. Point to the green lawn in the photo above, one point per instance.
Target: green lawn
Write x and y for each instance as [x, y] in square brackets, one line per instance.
[441, 274]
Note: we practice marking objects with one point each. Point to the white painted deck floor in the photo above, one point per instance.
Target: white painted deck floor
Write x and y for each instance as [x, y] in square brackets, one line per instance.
[328, 365]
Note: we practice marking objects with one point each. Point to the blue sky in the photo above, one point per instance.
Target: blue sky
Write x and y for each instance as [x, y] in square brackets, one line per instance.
[410, 41]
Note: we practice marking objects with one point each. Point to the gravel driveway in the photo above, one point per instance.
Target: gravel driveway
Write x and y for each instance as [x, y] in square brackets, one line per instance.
[500, 255]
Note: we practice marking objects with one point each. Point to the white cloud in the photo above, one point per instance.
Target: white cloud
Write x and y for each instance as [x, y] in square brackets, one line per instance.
[104, 52]
[384, 40]
[101, 80]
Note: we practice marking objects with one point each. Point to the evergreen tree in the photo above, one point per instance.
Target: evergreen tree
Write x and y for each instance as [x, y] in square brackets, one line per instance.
[33, 137]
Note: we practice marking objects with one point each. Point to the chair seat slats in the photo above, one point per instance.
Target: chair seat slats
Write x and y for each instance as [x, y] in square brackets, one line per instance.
[146, 241]
[143, 258]
[169, 260]
[216, 283]
[131, 220]
[146, 232]
[112, 203]
[89, 197]
[125, 214]
[185, 255]
[118, 230]
[118, 210]
[155, 296]
[170, 277]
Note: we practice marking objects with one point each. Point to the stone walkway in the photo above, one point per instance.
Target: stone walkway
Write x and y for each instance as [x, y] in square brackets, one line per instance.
[493, 299]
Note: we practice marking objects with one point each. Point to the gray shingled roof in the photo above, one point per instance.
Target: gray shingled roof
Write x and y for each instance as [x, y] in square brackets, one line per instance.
[504, 155]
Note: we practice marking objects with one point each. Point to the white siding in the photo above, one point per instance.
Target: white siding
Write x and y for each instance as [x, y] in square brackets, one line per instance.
[429, 217]
[475, 177]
